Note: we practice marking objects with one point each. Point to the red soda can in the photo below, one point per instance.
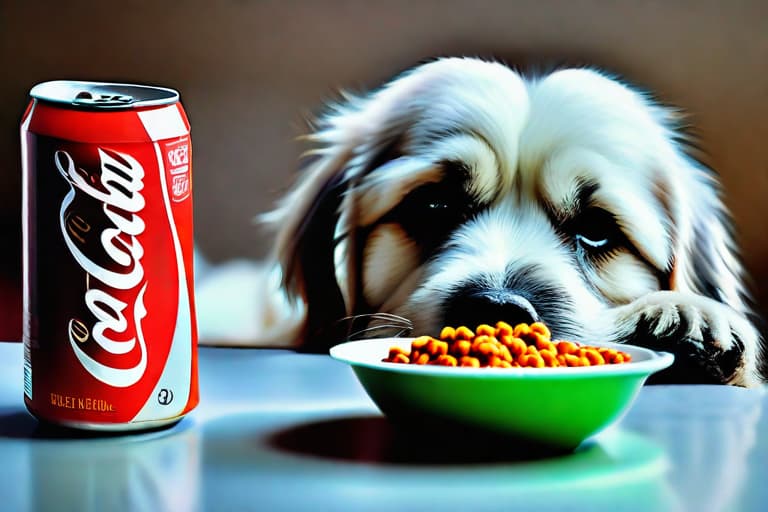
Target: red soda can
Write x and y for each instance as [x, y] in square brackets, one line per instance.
[110, 333]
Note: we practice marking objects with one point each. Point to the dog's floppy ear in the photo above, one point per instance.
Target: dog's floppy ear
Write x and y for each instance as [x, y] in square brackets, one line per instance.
[318, 215]
[306, 228]
[706, 260]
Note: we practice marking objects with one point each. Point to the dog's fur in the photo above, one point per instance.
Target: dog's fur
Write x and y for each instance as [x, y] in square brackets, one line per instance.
[463, 192]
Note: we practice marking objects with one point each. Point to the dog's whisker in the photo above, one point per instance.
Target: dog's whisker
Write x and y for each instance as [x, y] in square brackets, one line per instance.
[382, 324]
[401, 331]
[377, 316]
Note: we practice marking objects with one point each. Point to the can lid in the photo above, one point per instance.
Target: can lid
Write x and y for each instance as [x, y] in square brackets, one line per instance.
[103, 95]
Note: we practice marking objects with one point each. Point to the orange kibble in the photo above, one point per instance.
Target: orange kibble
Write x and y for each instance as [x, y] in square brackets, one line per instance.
[517, 346]
[521, 330]
[420, 342]
[503, 329]
[448, 334]
[446, 360]
[422, 359]
[545, 345]
[400, 358]
[619, 358]
[540, 328]
[395, 351]
[485, 329]
[504, 353]
[593, 356]
[488, 349]
[566, 347]
[532, 360]
[549, 358]
[572, 360]
[461, 348]
[436, 347]
[469, 361]
[479, 340]
[502, 346]
[464, 333]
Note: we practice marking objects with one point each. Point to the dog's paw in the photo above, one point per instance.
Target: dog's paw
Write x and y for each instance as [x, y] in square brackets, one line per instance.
[712, 343]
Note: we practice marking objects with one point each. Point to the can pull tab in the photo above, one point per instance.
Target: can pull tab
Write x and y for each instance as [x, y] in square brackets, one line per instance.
[87, 98]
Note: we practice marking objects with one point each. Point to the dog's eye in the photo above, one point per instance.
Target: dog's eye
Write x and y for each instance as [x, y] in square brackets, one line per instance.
[429, 213]
[596, 231]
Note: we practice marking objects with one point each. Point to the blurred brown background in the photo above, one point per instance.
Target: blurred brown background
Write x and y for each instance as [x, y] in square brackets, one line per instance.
[250, 72]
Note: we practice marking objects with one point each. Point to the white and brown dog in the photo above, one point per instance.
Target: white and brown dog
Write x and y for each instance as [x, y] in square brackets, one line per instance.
[464, 193]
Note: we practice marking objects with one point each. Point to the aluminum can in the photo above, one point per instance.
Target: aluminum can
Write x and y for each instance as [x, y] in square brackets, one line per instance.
[109, 326]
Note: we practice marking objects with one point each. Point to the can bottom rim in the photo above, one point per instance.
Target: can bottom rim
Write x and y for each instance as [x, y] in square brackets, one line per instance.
[117, 427]
[108, 428]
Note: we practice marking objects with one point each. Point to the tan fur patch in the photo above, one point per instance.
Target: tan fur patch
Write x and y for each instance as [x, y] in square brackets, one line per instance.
[389, 257]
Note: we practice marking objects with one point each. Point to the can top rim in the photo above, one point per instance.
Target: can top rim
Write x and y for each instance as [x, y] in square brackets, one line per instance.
[102, 95]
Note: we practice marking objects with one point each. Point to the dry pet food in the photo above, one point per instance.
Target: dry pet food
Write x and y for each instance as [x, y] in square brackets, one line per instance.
[503, 346]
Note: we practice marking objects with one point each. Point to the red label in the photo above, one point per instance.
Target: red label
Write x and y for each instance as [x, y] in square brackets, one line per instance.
[108, 257]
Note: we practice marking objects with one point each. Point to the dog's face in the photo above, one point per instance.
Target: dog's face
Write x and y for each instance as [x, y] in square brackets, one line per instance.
[462, 193]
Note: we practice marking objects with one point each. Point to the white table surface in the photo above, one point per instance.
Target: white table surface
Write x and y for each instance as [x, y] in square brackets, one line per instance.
[277, 430]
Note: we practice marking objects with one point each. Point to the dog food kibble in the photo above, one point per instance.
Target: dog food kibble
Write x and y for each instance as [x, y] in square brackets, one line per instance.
[503, 346]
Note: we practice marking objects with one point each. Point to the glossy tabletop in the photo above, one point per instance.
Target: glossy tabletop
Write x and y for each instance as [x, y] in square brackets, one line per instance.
[277, 430]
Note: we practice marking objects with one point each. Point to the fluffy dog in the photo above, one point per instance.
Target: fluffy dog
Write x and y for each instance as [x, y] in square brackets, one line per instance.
[464, 193]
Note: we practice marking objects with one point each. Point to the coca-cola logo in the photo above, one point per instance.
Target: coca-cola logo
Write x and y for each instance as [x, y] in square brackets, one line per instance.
[117, 326]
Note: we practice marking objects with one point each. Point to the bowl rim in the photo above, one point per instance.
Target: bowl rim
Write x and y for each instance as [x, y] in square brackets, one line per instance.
[653, 361]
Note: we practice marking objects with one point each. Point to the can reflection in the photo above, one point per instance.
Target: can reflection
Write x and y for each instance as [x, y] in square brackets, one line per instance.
[153, 471]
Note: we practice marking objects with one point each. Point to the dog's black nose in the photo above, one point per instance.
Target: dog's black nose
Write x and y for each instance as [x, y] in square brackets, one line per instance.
[472, 306]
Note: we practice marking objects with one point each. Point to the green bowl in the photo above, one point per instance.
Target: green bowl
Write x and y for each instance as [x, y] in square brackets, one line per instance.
[551, 407]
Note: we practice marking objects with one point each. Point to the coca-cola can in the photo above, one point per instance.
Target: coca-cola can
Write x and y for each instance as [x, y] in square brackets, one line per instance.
[109, 326]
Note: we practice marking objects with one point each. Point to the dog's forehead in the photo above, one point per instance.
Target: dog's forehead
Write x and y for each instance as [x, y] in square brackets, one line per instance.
[579, 110]
[525, 122]
[454, 97]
